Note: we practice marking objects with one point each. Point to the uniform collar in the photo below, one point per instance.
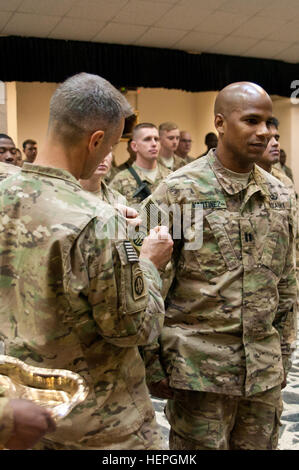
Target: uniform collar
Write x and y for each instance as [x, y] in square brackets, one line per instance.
[50, 172]
[142, 175]
[255, 183]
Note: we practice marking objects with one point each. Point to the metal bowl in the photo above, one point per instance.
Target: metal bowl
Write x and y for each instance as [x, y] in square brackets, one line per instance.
[56, 389]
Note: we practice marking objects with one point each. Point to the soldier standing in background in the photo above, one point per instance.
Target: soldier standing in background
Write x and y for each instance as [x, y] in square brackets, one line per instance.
[282, 165]
[184, 147]
[211, 140]
[230, 324]
[169, 140]
[8, 151]
[30, 150]
[137, 182]
[96, 185]
[74, 294]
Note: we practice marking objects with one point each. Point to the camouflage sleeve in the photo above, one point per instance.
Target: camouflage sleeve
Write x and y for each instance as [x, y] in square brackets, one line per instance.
[116, 184]
[286, 317]
[6, 421]
[127, 306]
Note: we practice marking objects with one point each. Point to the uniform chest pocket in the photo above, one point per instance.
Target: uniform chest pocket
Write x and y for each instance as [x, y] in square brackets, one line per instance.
[277, 242]
[216, 254]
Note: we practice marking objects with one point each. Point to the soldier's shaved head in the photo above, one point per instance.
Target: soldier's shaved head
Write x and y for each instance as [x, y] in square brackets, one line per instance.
[243, 111]
[237, 96]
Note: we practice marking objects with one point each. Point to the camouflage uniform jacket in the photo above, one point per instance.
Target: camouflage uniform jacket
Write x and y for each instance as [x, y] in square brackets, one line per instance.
[285, 169]
[109, 195]
[230, 315]
[281, 176]
[75, 297]
[187, 159]
[125, 183]
[177, 163]
[7, 169]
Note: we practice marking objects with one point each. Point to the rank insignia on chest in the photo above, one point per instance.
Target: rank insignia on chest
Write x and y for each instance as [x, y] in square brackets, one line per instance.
[132, 256]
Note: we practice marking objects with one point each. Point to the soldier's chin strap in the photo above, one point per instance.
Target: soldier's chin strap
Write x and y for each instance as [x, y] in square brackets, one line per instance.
[143, 191]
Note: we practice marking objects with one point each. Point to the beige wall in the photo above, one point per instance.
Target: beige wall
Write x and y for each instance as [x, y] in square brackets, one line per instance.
[288, 116]
[28, 110]
[11, 111]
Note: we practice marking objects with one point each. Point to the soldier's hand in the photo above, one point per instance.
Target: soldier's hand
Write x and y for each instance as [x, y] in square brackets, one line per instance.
[157, 247]
[130, 214]
[161, 389]
[31, 422]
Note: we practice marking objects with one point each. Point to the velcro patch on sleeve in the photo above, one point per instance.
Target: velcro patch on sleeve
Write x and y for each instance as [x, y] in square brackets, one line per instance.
[132, 256]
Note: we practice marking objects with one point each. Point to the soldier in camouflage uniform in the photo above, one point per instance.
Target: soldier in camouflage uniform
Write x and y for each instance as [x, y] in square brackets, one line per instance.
[7, 169]
[97, 186]
[270, 158]
[169, 139]
[184, 147]
[230, 321]
[145, 143]
[270, 162]
[8, 157]
[8, 151]
[22, 423]
[281, 165]
[73, 293]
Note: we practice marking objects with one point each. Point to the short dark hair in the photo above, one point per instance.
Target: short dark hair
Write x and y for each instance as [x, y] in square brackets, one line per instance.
[209, 136]
[5, 136]
[273, 121]
[28, 141]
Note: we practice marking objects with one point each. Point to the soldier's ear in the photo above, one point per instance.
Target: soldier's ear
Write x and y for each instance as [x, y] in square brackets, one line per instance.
[133, 145]
[95, 140]
[219, 123]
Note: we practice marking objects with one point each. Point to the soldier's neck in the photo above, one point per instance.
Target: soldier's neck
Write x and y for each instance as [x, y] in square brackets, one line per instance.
[55, 155]
[146, 164]
[232, 162]
[92, 184]
[183, 155]
[165, 153]
[265, 167]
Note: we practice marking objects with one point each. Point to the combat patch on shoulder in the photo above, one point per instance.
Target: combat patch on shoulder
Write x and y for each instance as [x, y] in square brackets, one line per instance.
[132, 256]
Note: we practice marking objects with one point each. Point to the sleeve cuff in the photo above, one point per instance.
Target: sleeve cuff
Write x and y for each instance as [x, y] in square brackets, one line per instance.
[151, 271]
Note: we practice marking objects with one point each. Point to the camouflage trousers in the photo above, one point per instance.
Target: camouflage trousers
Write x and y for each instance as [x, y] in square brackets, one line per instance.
[147, 437]
[211, 421]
